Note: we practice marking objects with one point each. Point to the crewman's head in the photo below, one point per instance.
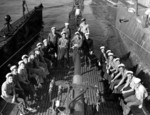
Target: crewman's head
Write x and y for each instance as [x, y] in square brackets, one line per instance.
[87, 35]
[121, 67]
[9, 77]
[37, 52]
[21, 64]
[108, 51]
[77, 33]
[31, 57]
[45, 42]
[25, 59]
[117, 61]
[63, 34]
[39, 44]
[13, 69]
[83, 20]
[129, 74]
[53, 29]
[110, 56]
[102, 48]
[66, 24]
[137, 82]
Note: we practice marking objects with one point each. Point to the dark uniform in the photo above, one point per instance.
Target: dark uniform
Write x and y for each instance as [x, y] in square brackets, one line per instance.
[62, 50]
[76, 43]
[53, 39]
[102, 60]
[87, 48]
[68, 37]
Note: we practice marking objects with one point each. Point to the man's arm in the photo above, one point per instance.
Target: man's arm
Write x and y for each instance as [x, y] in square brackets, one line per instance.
[122, 80]
[112, 70]
[127, 91]
[117, 76]
[4, 91]
[14, 95]
[126, 85]
[88, 29]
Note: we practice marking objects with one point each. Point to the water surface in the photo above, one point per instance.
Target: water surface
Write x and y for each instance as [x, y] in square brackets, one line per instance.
[55, 11]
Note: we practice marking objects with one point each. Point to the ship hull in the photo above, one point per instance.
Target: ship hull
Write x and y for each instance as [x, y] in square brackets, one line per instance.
[134, 42]
[25, 32]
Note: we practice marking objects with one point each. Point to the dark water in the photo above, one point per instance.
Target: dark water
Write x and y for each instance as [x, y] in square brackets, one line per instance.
[55, 11]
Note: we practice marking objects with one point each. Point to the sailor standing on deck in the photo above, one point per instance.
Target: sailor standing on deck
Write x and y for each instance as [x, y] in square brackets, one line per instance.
[62, 49]
[76, 44]
[66, 29]
[84, 27]
[87, 49]
[53, 38]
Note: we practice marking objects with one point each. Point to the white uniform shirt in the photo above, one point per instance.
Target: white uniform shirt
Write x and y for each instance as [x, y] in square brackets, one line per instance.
[7, 89]
[84, 28]
[62, 43]
[141, 93]
[132, 83]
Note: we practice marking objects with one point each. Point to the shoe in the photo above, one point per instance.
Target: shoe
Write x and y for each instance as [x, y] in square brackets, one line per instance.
[31, 110]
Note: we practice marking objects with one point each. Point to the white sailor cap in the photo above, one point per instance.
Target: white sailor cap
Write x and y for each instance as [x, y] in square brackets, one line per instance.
[76, 33]
[108, 51]
[38, 44]
[121, 65]
[24, 56]
[8, 75]
[53, 28]
[66, 23]
[117, 59]
[129, 72]
[31, 56]
[131, 10]
[110, 54]
[102, 47]
[83, 19]
[63, 32]
[45, 40]
[137, 80]
[37, 52]
[87, 33]
[20, 62]
[13, 67]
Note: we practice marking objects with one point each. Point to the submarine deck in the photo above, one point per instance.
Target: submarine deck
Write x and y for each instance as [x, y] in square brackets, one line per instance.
[91, 77]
